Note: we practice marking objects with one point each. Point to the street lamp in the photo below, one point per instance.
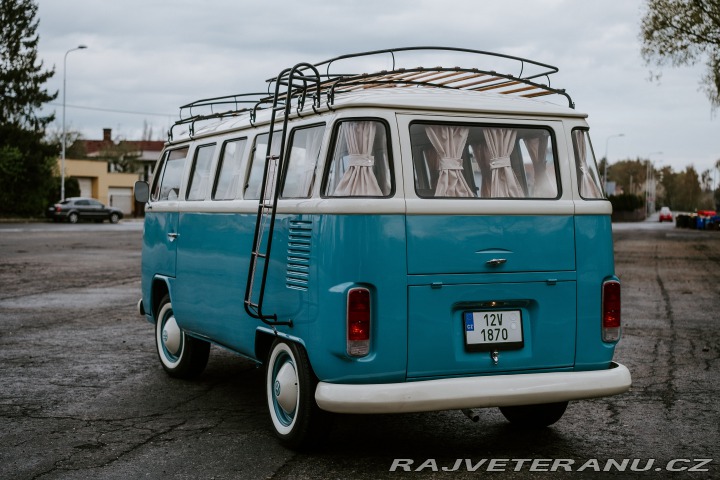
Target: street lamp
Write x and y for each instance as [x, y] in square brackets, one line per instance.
[607, 160]
[647, 182]
[62, 161]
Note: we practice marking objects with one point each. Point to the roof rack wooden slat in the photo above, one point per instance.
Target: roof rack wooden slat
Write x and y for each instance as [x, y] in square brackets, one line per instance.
[330, 84]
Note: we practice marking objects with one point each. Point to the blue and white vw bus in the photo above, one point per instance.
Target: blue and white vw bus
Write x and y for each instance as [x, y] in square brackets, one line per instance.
[407, 240]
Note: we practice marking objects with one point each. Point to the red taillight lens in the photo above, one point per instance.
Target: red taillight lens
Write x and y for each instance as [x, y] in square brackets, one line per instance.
[358, 322]
[611, 311]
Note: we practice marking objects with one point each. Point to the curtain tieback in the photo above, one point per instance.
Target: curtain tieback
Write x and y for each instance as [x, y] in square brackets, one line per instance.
[356, 160]
[449, 163]
[499, 162]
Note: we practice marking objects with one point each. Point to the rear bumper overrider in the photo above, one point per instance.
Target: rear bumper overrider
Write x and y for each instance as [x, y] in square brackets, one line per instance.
[473, 392]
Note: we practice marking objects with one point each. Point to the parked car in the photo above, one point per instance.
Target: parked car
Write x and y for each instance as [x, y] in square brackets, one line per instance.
[666, 214]
[75, 209]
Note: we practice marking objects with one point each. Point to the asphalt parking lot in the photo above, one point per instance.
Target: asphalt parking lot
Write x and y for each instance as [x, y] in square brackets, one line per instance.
[82, 393]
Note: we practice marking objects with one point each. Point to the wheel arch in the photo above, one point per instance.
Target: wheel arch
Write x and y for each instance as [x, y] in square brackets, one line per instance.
[264, 338]
[263, 342]
[160, 288]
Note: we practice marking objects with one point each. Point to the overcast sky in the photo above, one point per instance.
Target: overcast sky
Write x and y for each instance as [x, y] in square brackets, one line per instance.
[145, 58]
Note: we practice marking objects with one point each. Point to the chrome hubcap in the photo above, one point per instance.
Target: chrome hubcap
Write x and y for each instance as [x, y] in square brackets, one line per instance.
[285, 388]
[171, 336]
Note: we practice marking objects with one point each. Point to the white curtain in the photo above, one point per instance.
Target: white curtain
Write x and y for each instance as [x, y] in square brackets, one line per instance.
[481, 155]
[359, 178]
[500, 144]
[449, 143]
[589, 188]
[545, 186]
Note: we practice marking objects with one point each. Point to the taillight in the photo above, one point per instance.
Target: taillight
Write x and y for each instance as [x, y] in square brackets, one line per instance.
[611, 311]
[358, 322]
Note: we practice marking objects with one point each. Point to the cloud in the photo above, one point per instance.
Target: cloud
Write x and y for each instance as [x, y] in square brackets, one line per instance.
[154, 55]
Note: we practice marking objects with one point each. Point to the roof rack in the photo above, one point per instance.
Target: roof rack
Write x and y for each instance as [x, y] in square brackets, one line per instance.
[324, 88]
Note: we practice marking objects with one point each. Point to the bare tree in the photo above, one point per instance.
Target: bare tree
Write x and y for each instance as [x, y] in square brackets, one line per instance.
[684, 32]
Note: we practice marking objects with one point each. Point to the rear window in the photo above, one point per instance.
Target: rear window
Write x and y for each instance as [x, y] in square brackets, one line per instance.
[478, 161]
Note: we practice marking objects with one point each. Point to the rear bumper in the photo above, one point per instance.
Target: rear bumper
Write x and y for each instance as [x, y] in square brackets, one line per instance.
[472, 392]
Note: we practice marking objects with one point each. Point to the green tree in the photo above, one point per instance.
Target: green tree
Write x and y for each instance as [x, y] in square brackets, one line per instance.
[682, 190]
[629, 175]
[716, 196]
[27, 162]
[684, 32]
[626, 202]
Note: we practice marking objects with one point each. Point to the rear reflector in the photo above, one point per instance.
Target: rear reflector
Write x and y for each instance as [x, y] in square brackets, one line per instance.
[358, 322]
[611, 311]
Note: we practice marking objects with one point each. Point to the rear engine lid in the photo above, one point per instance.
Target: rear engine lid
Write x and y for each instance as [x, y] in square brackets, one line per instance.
[462, 244]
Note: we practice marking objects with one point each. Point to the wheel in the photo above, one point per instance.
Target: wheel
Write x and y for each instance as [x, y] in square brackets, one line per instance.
[290, 387]
[534, 416]
[182, 356]
[73, 217]
[114, 218]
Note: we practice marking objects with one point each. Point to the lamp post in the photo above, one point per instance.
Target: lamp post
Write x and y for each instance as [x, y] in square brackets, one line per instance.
[649, 169]
[607, 160]
[62, 158]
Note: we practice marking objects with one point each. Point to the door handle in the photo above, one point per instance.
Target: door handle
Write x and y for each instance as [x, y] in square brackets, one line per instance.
[173, 236]
[496, 261]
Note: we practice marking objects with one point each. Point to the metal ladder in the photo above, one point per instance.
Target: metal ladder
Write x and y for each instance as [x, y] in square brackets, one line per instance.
[298, 84]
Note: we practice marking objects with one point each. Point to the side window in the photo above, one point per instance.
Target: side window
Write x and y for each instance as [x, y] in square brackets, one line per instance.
[229, 176]
[589, 182]
[304, 152]
[82, 203]
[472, 161]
[257, 166]
[200, 176]
[360, 164]
[167, 183]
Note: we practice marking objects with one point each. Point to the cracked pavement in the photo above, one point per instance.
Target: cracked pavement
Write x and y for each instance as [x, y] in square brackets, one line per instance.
[82, 393]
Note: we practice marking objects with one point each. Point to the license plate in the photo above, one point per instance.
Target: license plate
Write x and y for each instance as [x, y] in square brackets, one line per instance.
[493, 330]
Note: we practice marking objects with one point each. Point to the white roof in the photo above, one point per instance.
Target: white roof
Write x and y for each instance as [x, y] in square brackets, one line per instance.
[409, 99]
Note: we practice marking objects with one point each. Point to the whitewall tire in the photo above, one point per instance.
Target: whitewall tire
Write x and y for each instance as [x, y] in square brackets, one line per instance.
[290, 389]
[181, 356]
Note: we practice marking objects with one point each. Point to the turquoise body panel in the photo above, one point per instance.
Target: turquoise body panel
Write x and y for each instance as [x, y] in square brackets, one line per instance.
[315, 260]
[423, 272]
[536, 278]
[595, 264]
[158, 253]
[464, 243]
